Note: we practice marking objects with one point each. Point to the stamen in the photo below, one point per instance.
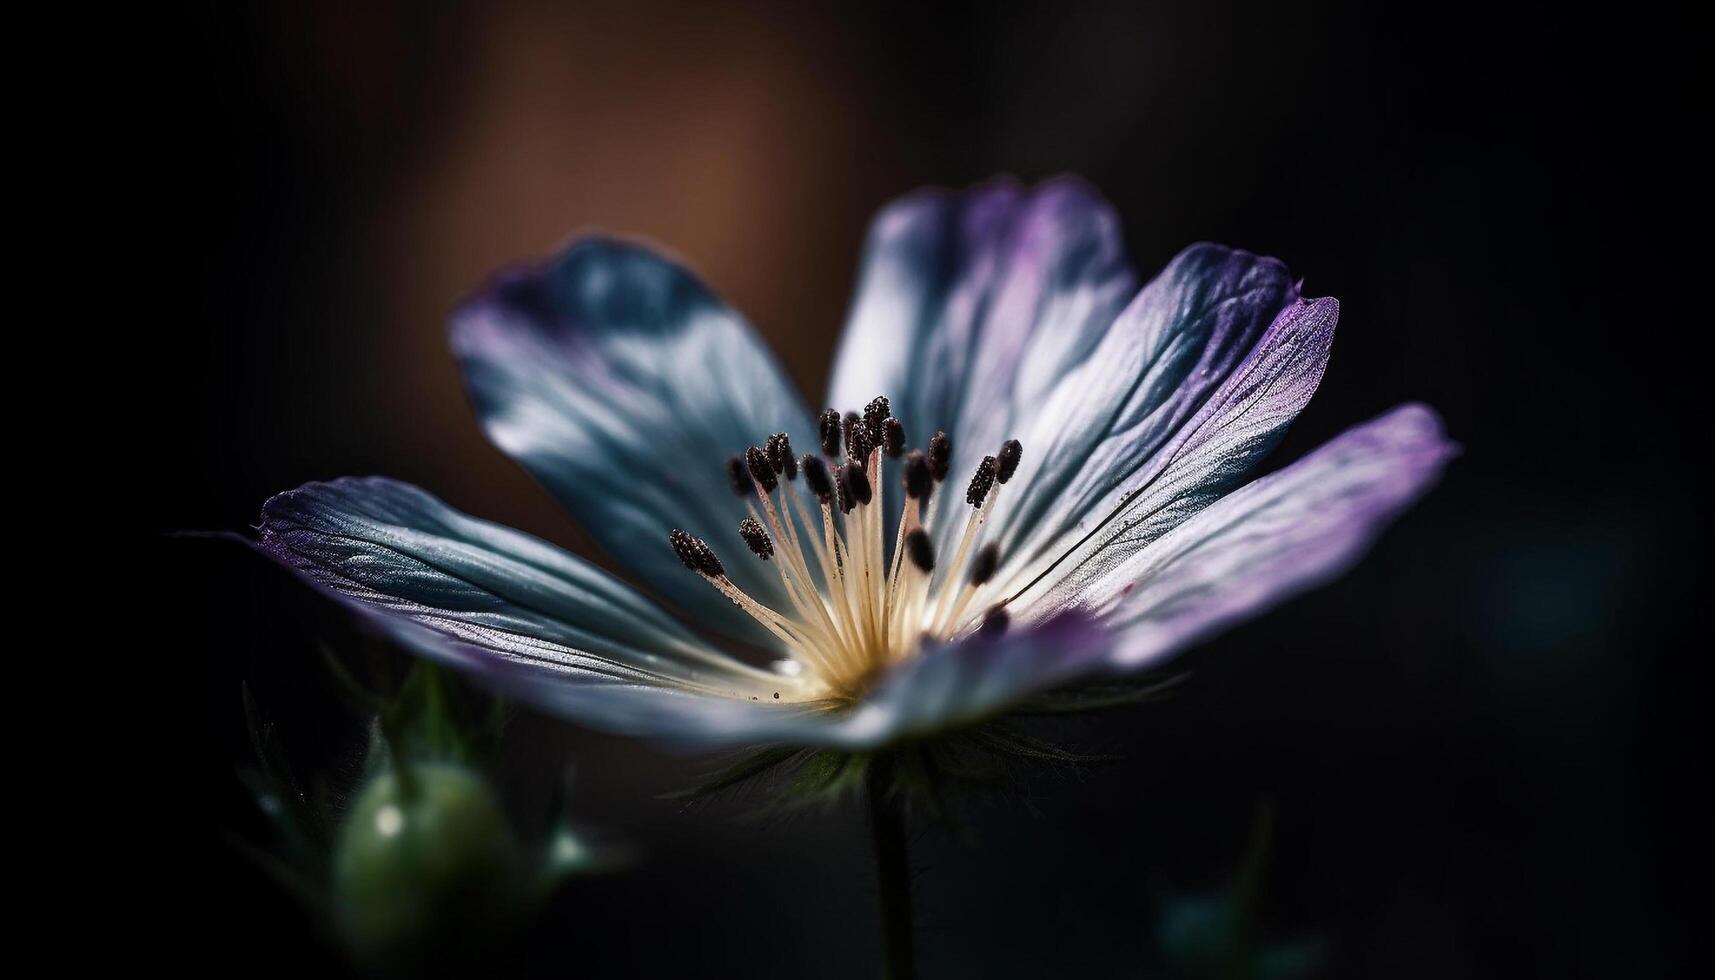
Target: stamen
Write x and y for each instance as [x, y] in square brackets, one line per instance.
[760, 470]
[981, 481]
[984, 564]
[845, 496]
[695, 553]
[779, 451]
[756, 537]
[739, 474]
[1007, 463]
[892, 436]
[982, 569]
[817, 479]
[829, 421]
[940, 456]
[852, 605]
[852, 423]
[858, 441]
[856, 483]
[874, 414]
[917, 479]
[921, 551]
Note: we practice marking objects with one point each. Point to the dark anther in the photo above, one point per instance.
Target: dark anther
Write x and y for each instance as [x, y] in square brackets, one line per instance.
[858, 442]
[917, 480]
[780, 456]
[892, 436]
[840, 485]
[830, 429]
[981, 482]
[739, 474]
[995, 622]
[856, 483]
[695, 553]
[918, 548]
[817, 479]
[760, 470]
[1010, 453]
[754, 535]
[874, 414]
[940, 456]
[984, 564]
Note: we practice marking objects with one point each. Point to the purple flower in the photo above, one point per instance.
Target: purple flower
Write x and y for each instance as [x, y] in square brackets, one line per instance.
[1049, 487]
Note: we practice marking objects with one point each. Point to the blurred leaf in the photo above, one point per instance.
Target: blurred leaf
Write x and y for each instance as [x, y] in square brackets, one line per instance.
[1215, 937]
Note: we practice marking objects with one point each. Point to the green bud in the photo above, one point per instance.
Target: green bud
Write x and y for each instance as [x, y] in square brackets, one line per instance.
[426, 867]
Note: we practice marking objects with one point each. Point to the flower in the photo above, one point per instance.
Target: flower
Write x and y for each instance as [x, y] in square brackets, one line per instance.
[1104, 431]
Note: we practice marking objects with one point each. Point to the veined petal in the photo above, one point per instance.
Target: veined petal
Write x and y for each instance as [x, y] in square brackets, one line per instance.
[970, 307]
[538, 624]
[483, 597]
[1192, 384]
[965, 681]
[944, 687]
[624, 385]
[1269, 540]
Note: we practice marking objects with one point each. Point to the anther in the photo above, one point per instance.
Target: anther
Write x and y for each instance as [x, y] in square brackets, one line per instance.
[856, 483]
[920, 551]
[760, 470]
[1007, 463]
[695, 553]
[892, 436]
[874, 415]
[829, 421]
[840, 486]
[780, 456]
[984, 564]
[756, 538]
[995, 622]
[817, 479]
[940, 456]
[739, 474]
[917, 480]
[981, 482]
[858, 441]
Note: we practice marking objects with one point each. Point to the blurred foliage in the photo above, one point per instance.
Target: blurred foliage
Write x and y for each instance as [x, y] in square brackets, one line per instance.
[1216, 937]
[415, 868]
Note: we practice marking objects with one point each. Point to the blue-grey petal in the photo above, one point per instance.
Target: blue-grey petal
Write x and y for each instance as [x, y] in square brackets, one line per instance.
[972, 306]
[538, 624]
[1264, 542]
[624, 385]
[1196, 381]
[944, 688]
[485, 598]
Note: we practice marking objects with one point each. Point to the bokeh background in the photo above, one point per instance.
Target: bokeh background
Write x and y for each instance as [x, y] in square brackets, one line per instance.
[1481, 744]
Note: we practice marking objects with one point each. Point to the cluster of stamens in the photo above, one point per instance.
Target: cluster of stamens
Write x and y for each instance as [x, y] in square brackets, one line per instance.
[856, 608]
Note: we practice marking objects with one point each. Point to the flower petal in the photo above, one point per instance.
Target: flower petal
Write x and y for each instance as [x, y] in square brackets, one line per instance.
[624, 385]
[536, 623]
[1195, 382]
[1269, 540]
[483, 597]
[971, 306]
[956, 684]
[941, 689]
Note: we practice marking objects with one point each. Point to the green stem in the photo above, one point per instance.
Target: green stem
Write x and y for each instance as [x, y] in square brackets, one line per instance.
[893, 872]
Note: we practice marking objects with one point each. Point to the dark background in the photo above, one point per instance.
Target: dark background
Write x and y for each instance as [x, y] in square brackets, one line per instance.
[1481, 743]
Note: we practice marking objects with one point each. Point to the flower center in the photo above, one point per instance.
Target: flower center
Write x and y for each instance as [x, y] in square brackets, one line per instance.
[853, 611]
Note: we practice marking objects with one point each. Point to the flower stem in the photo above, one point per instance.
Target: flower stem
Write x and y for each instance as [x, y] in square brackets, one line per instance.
[893, 872]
